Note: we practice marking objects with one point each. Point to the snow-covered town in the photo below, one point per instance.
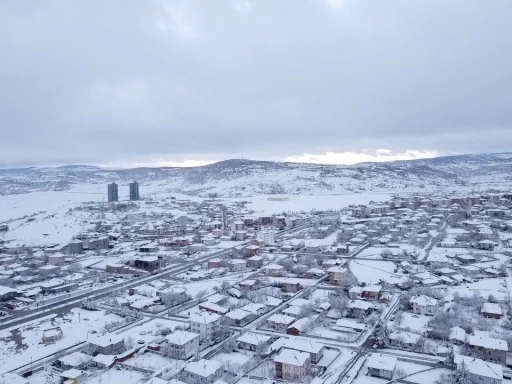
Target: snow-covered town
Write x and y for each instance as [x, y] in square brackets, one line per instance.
[412, 288]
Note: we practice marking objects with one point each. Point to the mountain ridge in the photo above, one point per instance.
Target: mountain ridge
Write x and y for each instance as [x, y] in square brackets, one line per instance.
[234, 177]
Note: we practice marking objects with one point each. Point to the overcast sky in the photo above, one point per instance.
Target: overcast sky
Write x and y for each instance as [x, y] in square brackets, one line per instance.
[127, 82]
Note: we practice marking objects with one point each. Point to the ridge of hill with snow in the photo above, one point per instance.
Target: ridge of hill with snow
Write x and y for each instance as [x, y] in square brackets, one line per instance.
[246, 177]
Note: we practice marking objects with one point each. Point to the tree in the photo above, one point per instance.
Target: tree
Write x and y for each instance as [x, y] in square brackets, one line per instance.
[462, 375]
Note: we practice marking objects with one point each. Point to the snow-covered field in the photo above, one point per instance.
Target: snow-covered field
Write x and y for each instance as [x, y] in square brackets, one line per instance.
[18, 347]
[372, 272]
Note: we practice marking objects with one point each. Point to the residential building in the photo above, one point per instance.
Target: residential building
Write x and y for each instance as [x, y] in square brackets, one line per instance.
[134, 191]
[481, 371]
[203, 372]
[489, 348]
[251, 341]
[254, 262]
[237, 265]
[183, 344]
[206, 325]
[315, 349]
[337, 275]
[382, 366]
[267, 235]
[273, 270]
[148, 263]
[107, 344]
[280, 322]
[113, 192]
[292, 365]
[372, 292]
[423, 305]
[491, 311]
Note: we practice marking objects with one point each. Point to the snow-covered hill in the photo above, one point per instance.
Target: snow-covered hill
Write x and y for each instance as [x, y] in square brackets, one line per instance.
[246, 177]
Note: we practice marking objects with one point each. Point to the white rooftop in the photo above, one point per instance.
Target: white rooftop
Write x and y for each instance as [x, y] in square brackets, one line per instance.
[379, 361]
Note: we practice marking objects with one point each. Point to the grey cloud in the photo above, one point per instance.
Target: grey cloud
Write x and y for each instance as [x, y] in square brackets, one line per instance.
[99, 82]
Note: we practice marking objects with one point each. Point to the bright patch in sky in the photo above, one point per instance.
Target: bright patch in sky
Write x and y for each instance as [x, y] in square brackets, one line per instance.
[362, 157]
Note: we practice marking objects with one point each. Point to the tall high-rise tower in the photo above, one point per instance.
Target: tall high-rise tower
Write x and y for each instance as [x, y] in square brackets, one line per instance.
[113, 192]
[134, 191]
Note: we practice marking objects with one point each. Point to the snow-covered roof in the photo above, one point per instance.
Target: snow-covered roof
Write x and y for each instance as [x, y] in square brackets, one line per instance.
[203, 367]
[281, 319]
[74, 359]
[181, 337]
[253, 338]
[457, 333]
[106, 340]
[350, 323]
[481, 340]
[372, 288]
[303, 345]
[379, 361]
[479, 367]
[491, 308]
[291, 357]
[337, 270]
[423, 300]
[237, 314]
[204, 317]
[104, 359]
[72, 374]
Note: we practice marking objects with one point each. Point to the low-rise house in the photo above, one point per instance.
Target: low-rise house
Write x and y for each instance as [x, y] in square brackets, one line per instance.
[255, 262]
[7, 294]
[457, 335]
[355, 292]
[203, 371]
[372, 292]
[108, 344]
[52, 335]
[183, 344]
[315, 349]
[56, 259]
[489, 348]
[215, 263]
[298, 327]
[290, 286]
[218, 299]
[486, 245]
[293, 311]
[239, 317]
[337, 275]
[360, 308]
[423, 305]
[47, 270]
[148, 263]
[255, 308]
[103, 361]
[74, 360]
[273, 270]
[404, 339]
[213, 308]
[481, 371]
[491, 311]
[382, 366]
[280, 322]
[251, 341]
[250, 285]
[206, 325]
[237, 265]
[292, 365]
